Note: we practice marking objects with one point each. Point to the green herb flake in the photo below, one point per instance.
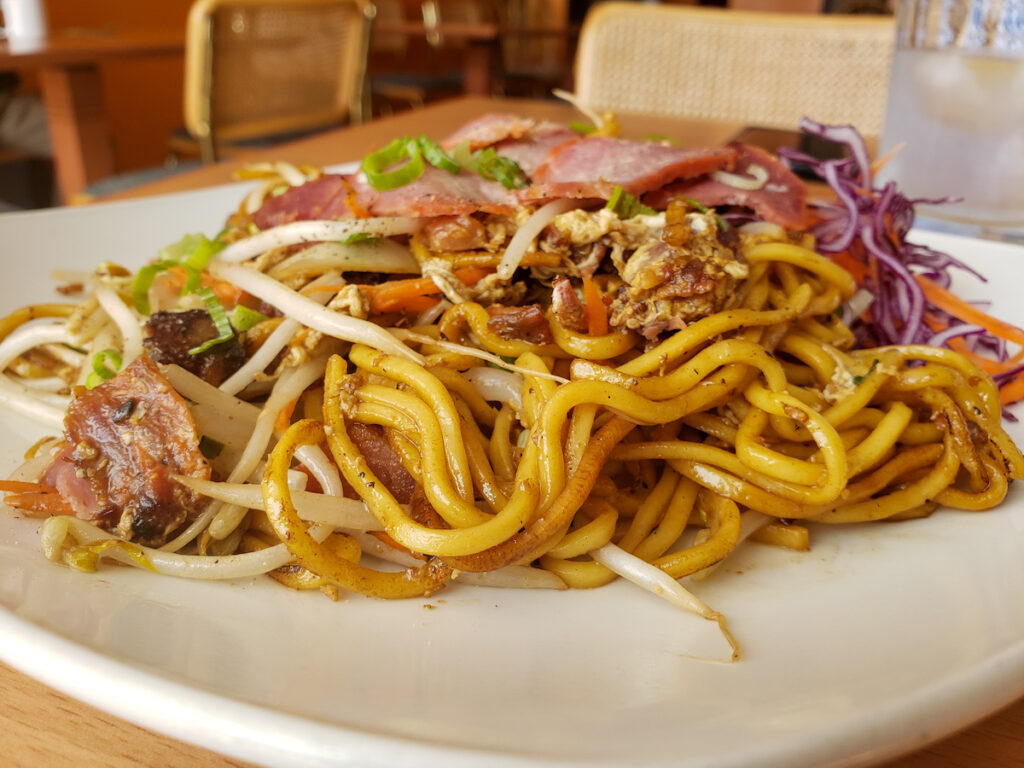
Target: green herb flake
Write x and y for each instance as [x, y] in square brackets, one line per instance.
[626, 205]
[361, 238]
[105, 365]
[242, 318]
[858, 380]
[220, 321]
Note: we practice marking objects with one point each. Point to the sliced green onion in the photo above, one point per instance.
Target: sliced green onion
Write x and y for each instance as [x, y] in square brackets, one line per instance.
[375, 163]
[242, 318]
[209, 447]
[490, 165]
[436, 156]
[144, 280]
[723, 225]
[583, 128]
[464, 156]
[220, 321]
[193, 252]
[626, 205]
[493, 167]
[101, 371]
[700, 207]
[361, 237]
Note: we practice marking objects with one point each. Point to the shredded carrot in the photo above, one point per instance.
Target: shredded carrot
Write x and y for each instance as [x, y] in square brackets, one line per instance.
[883, 161]
[959, 308]
[229, 295]
[20, 486]
[856, 268]
[986, 364]
[1012, 391]
[412, 306]
[400, 295]
[597, 314]
[40, 504]
[284, 418]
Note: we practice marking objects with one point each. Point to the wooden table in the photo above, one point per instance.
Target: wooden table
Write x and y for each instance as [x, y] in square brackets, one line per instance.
[68, 67]
[39, 726]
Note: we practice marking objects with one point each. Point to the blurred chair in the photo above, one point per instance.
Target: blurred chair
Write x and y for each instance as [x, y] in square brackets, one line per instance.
[258, 72]
[733, 66]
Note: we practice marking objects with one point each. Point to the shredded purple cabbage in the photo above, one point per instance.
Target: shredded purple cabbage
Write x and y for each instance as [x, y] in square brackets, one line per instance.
[871, 224]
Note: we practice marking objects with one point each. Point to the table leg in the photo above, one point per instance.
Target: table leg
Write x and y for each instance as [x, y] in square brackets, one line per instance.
[82, 146]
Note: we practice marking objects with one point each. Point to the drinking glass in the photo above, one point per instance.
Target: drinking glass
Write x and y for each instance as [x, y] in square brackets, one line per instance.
[956, 112]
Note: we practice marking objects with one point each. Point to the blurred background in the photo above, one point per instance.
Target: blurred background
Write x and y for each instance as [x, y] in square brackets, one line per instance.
[141, 96]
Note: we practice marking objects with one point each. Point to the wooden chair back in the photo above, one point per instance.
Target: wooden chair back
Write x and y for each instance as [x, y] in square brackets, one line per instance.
[262, 68]
[766, 69]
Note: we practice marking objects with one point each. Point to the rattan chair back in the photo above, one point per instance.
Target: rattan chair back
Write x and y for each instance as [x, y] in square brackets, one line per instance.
[261, 68]
[767, 69]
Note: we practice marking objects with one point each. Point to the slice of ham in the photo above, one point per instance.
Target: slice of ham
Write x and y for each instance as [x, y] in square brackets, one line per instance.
[126, 439]
[488, 130]
[382, 459]
[434, 193]
[324, 198]
[781, 200]
[526, 323]
[594, 166]
[532, 150]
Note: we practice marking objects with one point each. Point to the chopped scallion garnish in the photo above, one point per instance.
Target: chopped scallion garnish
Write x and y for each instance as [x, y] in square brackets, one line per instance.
[242, 318]
[220, 321]
[626, 205]
[584, 128]
[376, 164]
[105, 365]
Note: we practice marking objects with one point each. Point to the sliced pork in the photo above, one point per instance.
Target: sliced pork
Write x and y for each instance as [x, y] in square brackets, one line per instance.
[760, 181]
[126, 439]
[594, 166]
[487, 130]
[171, 335]
[526, 323]
[327, 198]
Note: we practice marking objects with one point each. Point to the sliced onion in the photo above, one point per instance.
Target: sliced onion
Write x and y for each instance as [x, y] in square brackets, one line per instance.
[316, 231]
[497, 385]
[528, 232]
[308, 312]
[756, 180]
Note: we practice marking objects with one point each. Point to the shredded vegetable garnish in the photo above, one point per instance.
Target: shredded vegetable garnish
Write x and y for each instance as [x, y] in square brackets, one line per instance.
[242, 318]
[436, 156]
[105, 365]
[380, 166]
[220, 321]
[489, 165]
[626, 206]
[865, 230]
[192, 253]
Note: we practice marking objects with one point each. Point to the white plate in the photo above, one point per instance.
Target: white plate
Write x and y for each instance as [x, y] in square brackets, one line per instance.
[882, 639]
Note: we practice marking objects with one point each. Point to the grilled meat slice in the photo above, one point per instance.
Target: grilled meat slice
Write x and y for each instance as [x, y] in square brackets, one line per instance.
[126, 439]
[170, 336]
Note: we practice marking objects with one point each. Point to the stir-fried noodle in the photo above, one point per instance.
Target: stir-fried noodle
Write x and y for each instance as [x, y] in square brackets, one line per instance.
[480, 421]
